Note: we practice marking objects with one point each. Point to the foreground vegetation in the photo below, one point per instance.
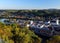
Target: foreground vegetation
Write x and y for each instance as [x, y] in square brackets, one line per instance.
[14, 34]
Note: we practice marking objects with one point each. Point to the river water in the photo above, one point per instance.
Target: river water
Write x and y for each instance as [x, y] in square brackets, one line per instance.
[2, 20]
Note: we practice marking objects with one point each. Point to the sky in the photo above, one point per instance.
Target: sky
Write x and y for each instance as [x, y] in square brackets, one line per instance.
[29, 4]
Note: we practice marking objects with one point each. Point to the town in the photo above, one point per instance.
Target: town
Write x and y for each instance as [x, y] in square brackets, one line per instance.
[45, 26]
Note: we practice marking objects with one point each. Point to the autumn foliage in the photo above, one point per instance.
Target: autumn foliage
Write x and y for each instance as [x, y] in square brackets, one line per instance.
[14, 34]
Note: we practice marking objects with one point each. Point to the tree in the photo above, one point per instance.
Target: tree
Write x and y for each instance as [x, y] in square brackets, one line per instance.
[14, 34]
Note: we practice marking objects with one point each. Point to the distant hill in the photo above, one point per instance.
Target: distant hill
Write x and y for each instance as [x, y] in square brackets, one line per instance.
[31, 13]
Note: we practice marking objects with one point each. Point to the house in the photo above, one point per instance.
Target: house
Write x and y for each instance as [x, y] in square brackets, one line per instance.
[55, 22]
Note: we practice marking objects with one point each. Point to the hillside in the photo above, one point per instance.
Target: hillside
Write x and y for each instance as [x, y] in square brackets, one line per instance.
[32, 14]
